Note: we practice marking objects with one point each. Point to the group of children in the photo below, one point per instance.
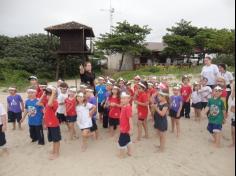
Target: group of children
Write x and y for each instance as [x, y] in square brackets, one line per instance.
[49, 107]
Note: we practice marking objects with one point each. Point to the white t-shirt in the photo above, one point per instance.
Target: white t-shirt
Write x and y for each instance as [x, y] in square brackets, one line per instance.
[228, 76]
[205, 93]
[210, 72]
[2, 112]
[196, 98]
[61, 99]
[83, 118]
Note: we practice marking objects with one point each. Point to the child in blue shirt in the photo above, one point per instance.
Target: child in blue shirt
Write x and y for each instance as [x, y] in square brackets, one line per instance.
[101, 94]
[35, 117]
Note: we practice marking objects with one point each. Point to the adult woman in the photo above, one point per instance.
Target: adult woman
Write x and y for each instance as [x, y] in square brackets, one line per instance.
[228, 76]
[210, 71]
[86, 74]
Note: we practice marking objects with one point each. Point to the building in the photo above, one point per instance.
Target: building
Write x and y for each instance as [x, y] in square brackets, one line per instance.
[132, 63]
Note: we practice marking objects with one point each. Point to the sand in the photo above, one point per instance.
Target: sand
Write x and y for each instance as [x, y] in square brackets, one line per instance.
[191, 155]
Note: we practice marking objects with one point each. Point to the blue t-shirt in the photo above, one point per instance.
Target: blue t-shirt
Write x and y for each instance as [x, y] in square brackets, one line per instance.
[35, 112]
[101, 93]
[175, 102]
[93, 101]
[14, 103]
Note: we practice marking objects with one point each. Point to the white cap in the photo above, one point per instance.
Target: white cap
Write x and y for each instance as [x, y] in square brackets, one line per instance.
[80, 94]
[209, 56]
[101, 78]
[89, 90]
[83, 86]
[51, 87]
[150, 84]
[218, 88]
[116, 87]
[124, 94]
[32, 77]
[137, 77]
[31, 90]
[109, 83]
[142, 85]
[73, 89]
[163, 93]
[12, 88]
[121, 79]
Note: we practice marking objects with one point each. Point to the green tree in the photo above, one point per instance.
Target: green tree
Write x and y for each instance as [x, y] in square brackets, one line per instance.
[125, 39]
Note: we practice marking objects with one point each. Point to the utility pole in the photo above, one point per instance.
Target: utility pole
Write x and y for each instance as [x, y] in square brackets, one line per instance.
[111, 11]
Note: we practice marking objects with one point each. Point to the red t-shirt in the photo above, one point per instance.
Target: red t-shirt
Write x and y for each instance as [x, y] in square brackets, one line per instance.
[125, 115]
[70, 106]
[131, 92]
[142, 110]
[136, 87]
[224, 93]
[186, 92]
[39, 92]
[50, 118]
[114, 110]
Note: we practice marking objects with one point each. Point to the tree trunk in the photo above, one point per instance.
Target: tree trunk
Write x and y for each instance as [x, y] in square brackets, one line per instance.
[121, 62]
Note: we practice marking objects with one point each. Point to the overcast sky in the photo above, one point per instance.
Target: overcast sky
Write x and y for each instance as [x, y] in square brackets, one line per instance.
[20, 17]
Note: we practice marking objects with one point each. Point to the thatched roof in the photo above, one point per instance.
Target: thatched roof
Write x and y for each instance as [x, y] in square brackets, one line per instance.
[70, 26]
[155, 46]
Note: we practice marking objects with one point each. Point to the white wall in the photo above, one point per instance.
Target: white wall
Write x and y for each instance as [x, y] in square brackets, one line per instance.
[114, 60]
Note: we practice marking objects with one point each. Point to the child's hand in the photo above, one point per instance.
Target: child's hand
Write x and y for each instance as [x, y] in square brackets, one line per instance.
[91, 113]
[178, 114]
[22, 120]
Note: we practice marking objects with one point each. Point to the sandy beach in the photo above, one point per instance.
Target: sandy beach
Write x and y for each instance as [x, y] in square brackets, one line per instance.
[191, 155]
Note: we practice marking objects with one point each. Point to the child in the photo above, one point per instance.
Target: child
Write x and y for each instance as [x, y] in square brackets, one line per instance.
[15, 107]
[84, 112]
[41, 88]
[70, 112]
[176, 104]
[232, 109]
[93, 100]
[220, 81]
[130, 91]
[61, 103]
[34, 83]
[142, 102]
[101, 92]
[160, 118]
[109, 87]
[83, 88]
[114, 110]
[196, 101]
[35, 117]
[121, 83]
[205, 92]
[186, 92]
[59, 82]
[151, 92]
[51, 121]
[137, 80]
[216, 115]
[126, 126]
[3, 128]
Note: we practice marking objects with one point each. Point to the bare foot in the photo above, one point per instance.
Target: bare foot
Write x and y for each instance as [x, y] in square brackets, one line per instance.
[157, 146]
[146, 137]
[83, 148]
[129, 154]
[137, 140]
[53, 157]
[120, 156]
[159, 150]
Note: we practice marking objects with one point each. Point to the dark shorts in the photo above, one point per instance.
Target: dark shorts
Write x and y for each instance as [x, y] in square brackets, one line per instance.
[160, 123]
[100, 108]
[233, 123]
[13, 117]
[71, 119]
[214, 128]
[204, 105]
[54, 134]
[124, 140]
[61, 117]
[114, 122]
[94, 127]
[197, 105]
[89, 129]
[173, 114]
[2, 137]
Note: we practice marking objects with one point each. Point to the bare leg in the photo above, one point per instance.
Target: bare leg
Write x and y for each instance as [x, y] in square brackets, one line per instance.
[139, 131]
[129, 152]
[177, 121]
[14, 125]
[233, 136]
[56, 151]
[19, 126]
[145, 128]
[218, 139]
[172, 125]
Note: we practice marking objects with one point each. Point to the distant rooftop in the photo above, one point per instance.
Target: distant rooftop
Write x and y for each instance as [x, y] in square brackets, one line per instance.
[155, 46]
[70, 26]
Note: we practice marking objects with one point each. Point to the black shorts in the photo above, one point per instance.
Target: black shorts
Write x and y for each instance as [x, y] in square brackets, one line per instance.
[124, 140]
[114, 122]
[94, 127]
[13, 117]
[100, 108]
[61, 117]
[160, 123]
[173, 114]
[197, 105]
[233, 123]
[54, 134]
[2, 137]
[204, 105]
[71, 119]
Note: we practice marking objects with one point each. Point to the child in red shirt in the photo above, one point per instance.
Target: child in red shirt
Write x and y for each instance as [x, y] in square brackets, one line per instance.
[125, 125]
[151, 92]
[131, 92]
[220, 81]
[142, 101]
[51, 121]
[70, 112]
[186, 92]
[114, 110]
[137, 79]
